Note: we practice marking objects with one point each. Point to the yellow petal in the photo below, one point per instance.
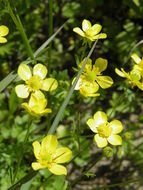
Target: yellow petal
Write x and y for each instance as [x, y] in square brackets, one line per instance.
[136, 58]
[86, 25]
[116, 126]
[115, 140]
[24, 72]
[58, 169]
[37, 166]
[38, 94]
[88, 66]
[3, 30]
[100, 36]
[89, 87]
[62, 155]
[22, 91]
[139, 85]
[35, 111]
[100, 118]
[49, 84]
[101, 64]
[78, 84]
[45, 111]
[104, 81]
[95, 29]
[50, 143]
[37, 148]
[135, 73]
[120, 73]
[26, 107]
[79, 31]
[91, 123]
[3, 40]
[40, 70]
[37, 104]
[101, 142]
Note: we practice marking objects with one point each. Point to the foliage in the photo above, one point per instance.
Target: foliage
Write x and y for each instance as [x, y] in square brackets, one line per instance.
[72, 105]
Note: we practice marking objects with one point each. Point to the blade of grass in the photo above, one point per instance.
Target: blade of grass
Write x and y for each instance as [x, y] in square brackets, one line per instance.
[7, 80]
[64, 104]
[25, 179]
[47, 42]
[50, 33]
[16, 19]
[11, 76]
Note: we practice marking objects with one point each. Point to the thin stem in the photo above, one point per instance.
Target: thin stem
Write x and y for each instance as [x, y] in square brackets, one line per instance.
[83, 50]
[26, 178]
[64, 104]
[21, 156]
[50, 32]
[17, 21]
[120, 184]
[87, 170]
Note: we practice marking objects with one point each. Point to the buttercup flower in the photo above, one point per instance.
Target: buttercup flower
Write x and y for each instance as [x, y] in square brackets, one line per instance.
[34, 82]
[105, 131]
[135, 76]
[90, 32]
[37, 104]
[3, 32]
[49, 156]
[90, 80]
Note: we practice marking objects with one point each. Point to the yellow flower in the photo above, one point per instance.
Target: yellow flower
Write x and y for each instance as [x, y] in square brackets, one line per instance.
[90, 80]
[37, 104]
[3, 32]
[135, 76]
[49, 156]
[105, 131]
[34, 82]
[90, 32]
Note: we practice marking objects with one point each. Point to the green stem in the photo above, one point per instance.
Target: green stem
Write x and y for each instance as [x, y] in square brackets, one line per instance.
[87, 170]
[21, 156]
[19, 25]
[83, 51]
[50, 32]
[119, 184]
[64, 104]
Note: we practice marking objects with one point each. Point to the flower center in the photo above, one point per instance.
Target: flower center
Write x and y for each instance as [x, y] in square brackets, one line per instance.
[92, 75]
[45, 158]
[104, 130]
[34, 83]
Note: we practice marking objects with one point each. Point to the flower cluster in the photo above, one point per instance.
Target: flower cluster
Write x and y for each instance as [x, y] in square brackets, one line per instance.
[105, 131]
[3, 32]
[90, 80]
[135, 76]
[35, 82]
[90, 32]
[49, 156]
[47, 153]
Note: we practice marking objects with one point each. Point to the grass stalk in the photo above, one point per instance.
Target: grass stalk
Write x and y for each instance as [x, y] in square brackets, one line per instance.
[16, 19]
[50, 33]
[69, 94]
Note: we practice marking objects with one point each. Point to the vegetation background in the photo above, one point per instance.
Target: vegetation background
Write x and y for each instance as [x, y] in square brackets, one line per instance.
[123, 23]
